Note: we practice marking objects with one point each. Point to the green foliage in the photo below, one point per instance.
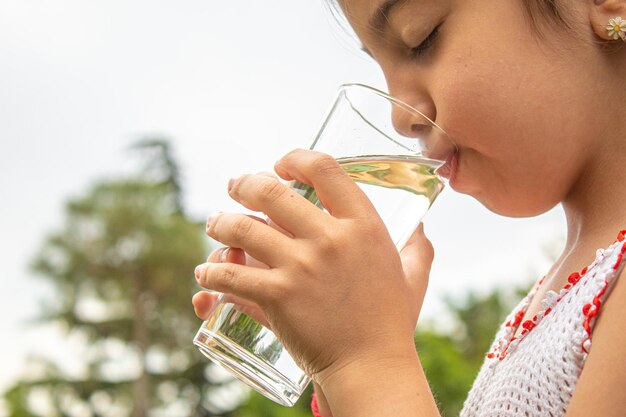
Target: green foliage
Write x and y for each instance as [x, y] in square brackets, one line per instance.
[17, 399]
[122, 270]
[449, 373]
[259, 406]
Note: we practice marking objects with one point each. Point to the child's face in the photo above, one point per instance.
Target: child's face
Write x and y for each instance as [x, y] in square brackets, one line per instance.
[522, 111]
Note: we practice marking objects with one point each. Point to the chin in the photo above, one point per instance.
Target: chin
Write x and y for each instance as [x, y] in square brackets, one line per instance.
[506, 204]
[515, 207]
[503, 200]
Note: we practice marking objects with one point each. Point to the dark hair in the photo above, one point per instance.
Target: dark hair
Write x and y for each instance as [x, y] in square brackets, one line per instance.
[539, 13]
[542, 12]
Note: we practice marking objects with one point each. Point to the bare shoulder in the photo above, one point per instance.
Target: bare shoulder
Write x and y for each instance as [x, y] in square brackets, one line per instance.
[600, 389]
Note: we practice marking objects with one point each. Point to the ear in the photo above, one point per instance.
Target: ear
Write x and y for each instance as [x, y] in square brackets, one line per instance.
[605, 13]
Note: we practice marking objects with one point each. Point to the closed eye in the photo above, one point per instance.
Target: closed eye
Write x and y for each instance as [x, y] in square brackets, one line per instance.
[423, 47]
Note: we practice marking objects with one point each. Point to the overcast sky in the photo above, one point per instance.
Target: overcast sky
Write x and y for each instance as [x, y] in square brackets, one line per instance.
[235, 85]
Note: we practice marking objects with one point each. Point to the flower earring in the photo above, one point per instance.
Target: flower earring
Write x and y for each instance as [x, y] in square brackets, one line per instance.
[617, 28]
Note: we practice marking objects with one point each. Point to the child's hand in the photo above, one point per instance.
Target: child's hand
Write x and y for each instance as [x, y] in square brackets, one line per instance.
[203, 301]
[335, 290]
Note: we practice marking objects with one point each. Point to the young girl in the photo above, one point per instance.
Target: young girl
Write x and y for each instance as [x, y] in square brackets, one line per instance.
[533, 93]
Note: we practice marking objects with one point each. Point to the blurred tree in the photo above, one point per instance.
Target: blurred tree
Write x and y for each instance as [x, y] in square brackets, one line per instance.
[161, 168]
[122, 271]
[258, 406]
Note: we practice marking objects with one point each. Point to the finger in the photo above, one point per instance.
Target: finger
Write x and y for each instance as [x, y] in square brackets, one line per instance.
[339, 194]
[259, 240]
[258, 219]
[202, 303]
[254, 284]
[235, 256]
[417, 258]
[250, 261]
[284, 206]
[228, 254]
[270, 222]
[267, 220]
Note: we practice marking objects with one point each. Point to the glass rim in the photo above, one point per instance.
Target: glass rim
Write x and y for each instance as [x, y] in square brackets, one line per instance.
[402, 104]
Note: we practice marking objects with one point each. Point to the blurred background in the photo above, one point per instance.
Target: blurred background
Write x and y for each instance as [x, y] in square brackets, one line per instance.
[121, 123]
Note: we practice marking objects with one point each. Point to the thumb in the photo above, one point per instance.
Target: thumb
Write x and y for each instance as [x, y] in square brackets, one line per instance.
[417, 257]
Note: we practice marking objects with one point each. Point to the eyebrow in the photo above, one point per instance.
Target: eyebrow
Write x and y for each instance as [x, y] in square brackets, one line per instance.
[380, 18]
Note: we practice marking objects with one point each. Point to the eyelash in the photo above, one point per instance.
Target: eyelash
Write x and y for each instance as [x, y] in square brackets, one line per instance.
[421, 49]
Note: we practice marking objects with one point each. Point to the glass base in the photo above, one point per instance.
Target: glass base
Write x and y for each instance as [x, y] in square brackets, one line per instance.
[257, 374]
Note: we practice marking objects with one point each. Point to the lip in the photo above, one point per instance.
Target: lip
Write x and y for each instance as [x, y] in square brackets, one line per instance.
[449, 169]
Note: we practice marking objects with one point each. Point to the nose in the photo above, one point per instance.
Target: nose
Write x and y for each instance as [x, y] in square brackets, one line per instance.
[417, 122]
[408, 122]
[412, 87]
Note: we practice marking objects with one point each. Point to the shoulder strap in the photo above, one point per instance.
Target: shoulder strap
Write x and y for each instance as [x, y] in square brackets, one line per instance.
[610, 267]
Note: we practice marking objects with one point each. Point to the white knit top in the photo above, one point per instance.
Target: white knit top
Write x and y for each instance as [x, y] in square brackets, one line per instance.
[536, 373]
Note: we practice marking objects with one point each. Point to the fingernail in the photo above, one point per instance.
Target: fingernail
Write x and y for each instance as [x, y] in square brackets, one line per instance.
[198, 271]
[213, 216]
[224, 254]
[231, 182]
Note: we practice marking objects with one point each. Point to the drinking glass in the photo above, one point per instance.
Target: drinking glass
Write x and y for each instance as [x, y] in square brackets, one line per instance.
[398, 157]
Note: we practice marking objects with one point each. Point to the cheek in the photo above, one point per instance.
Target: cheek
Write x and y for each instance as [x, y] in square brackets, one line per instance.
[486, 100]
[523, 131]
[516, 151]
